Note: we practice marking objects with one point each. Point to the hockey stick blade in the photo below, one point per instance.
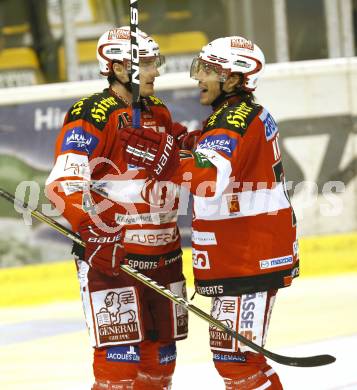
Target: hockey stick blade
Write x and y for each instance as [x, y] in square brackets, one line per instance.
[309, 361]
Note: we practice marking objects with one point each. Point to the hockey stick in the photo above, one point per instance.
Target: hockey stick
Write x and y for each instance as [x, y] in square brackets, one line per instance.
[134, 70]
[310, 361]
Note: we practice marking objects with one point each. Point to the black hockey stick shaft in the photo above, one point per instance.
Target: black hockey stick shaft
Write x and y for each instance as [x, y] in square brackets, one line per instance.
[135, 65]
[310, 361]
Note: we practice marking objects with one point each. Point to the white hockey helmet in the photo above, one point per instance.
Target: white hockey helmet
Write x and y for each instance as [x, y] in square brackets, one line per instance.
[114, 46]
[228, 55]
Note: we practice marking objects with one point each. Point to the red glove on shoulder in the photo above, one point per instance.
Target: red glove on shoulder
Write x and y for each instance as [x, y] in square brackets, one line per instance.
[104, 247]
[157, 152]
[185, 139]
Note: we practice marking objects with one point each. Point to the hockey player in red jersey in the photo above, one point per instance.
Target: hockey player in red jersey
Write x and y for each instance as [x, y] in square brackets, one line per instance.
[132, 328]
[244, 228]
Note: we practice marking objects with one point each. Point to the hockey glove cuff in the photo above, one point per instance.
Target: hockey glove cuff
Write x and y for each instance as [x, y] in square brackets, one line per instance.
[185, 139]
[104, 250]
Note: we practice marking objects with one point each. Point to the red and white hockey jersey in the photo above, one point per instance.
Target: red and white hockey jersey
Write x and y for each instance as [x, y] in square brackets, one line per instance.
[244, 228]
[89, 156]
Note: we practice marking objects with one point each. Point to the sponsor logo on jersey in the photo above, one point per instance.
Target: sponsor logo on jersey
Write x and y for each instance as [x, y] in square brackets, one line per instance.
[270, 126]
[200, 259]
[201, 161]
[100, 109]
[125, 353]
[167, 353]
[147, 264]
[72, 186]
[116, 317]
[210, 290]
[251, 317]
[147, 218]
[276, 262]
[212, 119]
[78, 139]
[203, 238]
[222, 143]
[225, 310]
[221, 357]
[151, 237]
[237, 117]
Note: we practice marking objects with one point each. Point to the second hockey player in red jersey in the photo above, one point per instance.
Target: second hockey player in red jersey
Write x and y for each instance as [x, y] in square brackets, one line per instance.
[244, 228]
[132, 328]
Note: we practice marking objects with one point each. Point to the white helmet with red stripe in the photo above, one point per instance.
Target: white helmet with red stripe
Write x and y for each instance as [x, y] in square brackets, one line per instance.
[114, 46]
[227, 55]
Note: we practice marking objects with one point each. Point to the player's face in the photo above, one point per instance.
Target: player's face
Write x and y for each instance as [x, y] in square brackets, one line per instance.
[148, 72]
[209, 88]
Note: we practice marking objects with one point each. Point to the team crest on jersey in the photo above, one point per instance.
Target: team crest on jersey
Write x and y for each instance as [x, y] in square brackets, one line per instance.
[270, 125]
[222, 143]
[80, 140]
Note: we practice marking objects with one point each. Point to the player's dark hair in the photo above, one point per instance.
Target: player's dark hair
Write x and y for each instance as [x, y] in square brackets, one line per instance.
[246, 96]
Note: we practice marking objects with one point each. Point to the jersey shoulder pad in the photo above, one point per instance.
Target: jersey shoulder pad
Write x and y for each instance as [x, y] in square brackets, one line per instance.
[95, 109]
[236, 117]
